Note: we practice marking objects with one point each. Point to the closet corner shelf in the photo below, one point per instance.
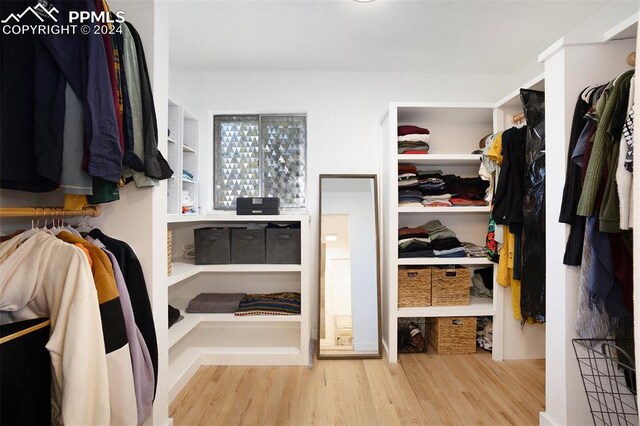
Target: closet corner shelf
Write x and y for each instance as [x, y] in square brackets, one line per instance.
[186, 148]
[466, 209]
[183, 270]
[232, 217]
[171, 140]
[415, 261]
[191, 321]
[478, 307]
[440, 159]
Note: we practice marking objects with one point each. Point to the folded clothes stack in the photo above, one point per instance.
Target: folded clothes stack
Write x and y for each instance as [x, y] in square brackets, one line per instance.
[432, 239]
[438, 190]
[413, 140]
[474, 250]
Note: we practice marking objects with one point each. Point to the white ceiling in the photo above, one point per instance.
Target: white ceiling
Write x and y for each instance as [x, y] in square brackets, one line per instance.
[385, 35]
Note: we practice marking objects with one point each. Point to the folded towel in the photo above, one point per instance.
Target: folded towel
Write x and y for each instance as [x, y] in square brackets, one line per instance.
[215, 303]
[408, 130]
[414, 137]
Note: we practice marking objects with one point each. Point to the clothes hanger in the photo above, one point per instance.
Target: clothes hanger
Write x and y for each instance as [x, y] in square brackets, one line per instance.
[34, 229]
[84, 226]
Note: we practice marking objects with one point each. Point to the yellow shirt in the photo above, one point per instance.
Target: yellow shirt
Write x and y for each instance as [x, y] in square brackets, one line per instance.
[495, 152]
[505, 271]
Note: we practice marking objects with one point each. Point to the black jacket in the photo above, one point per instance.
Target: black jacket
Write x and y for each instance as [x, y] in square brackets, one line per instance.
[134, 279]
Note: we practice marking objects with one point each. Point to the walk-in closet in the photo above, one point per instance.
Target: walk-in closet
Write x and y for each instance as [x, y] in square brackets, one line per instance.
[318, 212]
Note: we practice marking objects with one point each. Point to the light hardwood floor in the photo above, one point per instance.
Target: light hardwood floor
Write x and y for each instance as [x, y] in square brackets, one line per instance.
[421, 389]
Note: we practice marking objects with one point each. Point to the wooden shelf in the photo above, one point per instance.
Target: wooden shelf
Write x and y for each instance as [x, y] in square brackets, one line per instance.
[452, 209]
[478, 307]
[418, 261]
[440, 159]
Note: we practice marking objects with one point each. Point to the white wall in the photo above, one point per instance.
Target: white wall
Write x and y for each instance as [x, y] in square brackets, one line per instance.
[343, 109]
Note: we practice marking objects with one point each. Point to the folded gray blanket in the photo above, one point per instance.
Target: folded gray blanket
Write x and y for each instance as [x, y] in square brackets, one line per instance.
[215, 303]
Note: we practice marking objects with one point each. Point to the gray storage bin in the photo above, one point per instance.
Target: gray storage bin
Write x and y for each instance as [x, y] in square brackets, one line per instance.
[213, 246]
[283, 246]
[247, 246]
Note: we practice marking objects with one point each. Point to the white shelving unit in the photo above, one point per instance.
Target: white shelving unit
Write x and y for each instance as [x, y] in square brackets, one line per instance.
[226, 339]
[466, 125]
[182, 148]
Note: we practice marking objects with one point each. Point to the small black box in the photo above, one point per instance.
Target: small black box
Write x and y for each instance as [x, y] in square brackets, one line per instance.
[213, 246]
[257, 205]
[283, 246]
[248, 246]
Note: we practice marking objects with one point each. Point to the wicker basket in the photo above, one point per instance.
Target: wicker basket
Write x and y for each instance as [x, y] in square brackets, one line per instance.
[450, 286]
[414, 287]
[454, 335]
[169, 251]
[406, 344]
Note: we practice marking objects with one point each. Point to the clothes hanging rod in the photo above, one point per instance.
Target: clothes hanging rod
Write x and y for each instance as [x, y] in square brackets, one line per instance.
[48, 212]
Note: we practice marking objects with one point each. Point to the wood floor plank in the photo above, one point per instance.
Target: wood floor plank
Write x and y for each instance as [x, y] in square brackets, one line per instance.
[422, 389]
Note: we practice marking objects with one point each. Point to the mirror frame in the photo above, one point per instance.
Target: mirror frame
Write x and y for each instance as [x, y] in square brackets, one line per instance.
[378, 286]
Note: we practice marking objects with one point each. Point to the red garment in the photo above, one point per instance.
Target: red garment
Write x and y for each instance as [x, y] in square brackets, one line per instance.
[412, 130]
[406, 168]
[416, 151]
[412, 231]
[464, 202]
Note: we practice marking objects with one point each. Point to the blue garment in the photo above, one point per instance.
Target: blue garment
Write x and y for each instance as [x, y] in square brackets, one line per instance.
[83, 61]
[604, 288]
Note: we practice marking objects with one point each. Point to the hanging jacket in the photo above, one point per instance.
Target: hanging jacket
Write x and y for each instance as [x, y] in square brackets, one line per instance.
[46, 277]
[21, 164]
[121, 386]
[140, 358]
[83, 61]
[134, 278]
[134, 166]
[155, 165]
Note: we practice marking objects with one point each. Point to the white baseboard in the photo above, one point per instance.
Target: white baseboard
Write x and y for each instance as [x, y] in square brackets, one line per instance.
[545, 420]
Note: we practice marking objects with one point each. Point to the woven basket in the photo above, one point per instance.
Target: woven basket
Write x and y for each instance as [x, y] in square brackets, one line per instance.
[450, 286]
[454, 335]
[414, 287]
[169, 251]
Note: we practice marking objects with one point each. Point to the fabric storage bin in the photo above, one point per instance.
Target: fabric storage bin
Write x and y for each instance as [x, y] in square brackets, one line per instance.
[247, 246]
[450, 286]
[283, 246]
[212, 246]
[408, 339]
[414, 287]
[451, 335]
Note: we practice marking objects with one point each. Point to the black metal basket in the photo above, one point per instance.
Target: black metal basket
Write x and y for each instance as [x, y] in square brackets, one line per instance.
[408, 343]
[609, 378]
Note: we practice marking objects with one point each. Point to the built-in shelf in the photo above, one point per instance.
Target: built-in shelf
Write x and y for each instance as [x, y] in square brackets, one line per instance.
[171, 140]
[440, 159]
[452, 209]
[184, 180]
[186, 148]
[184, 270]
[417, 261]
[191, 321]
[478, 307]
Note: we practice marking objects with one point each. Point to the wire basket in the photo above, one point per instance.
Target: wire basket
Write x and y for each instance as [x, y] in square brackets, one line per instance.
[609, 378]
[408, 339]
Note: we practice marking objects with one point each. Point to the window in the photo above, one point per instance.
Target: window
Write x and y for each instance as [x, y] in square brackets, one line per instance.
[260, 156]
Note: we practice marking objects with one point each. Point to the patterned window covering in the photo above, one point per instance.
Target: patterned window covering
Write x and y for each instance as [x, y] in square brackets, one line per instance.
[260, 155]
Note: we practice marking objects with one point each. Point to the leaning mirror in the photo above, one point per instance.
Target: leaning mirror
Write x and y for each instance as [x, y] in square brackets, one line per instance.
[349, 311]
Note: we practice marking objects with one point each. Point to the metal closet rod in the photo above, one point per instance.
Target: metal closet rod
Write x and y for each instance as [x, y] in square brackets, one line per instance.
[48, 212]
